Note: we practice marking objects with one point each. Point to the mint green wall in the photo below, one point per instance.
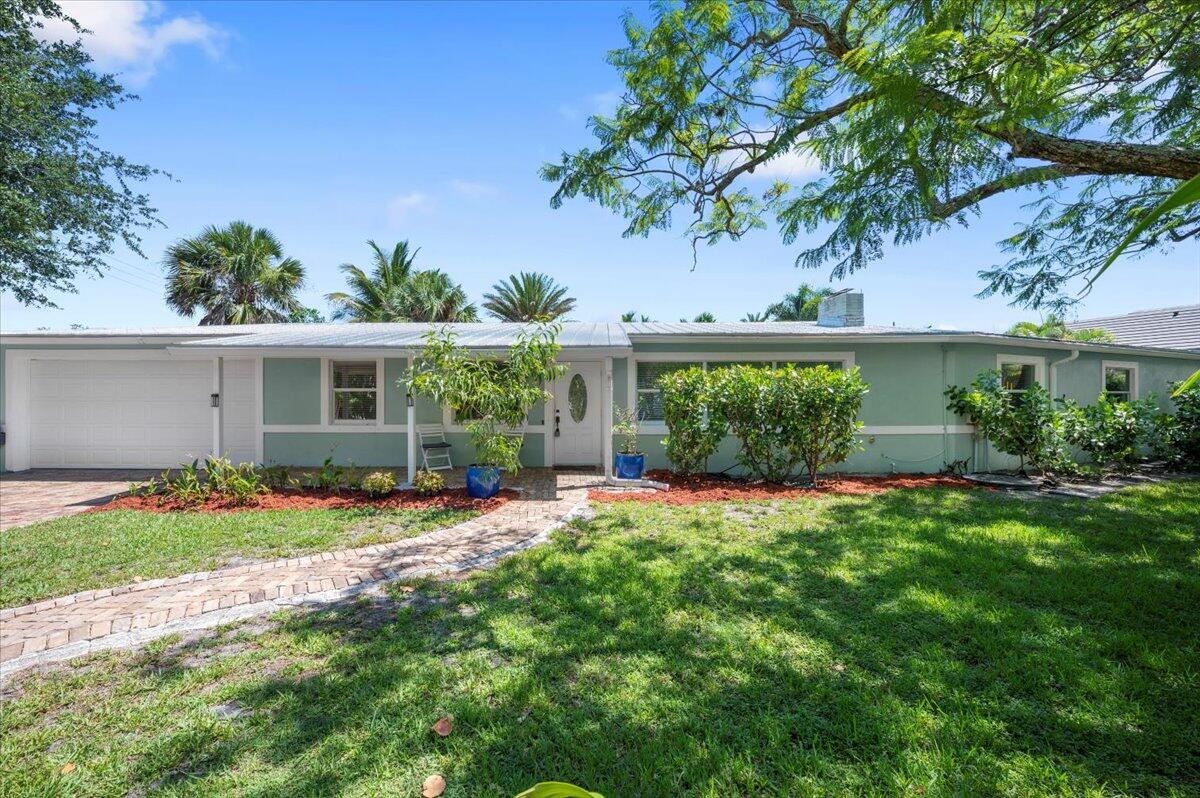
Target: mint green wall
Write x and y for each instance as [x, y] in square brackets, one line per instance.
[373, 448]
[395, 406]
[292, 390]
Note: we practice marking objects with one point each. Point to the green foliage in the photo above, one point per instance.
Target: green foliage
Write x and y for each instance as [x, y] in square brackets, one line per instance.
[235, 274]
[498, 393]
[64, 201]
[1112, 432]
[695, 424]
[1022, 425]
[702, 318]
[279, 477]
[626, 425]
[1177, 437]
[1187, 193]
[877, 122]
[396, 291]
[799, 305]
[428, 483]
[633, 315]
[379, 484]
[789, 416]
[329, 476]
[528, 296]
[1054, 326]
[186, 486]
[238, 484]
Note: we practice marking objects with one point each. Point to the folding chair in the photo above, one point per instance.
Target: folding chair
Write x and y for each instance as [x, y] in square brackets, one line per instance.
[435, 449]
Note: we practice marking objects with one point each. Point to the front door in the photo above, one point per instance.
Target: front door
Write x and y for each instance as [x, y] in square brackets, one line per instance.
[577, 410]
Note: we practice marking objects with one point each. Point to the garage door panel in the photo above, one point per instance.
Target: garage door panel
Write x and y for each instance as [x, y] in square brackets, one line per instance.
[132, 413]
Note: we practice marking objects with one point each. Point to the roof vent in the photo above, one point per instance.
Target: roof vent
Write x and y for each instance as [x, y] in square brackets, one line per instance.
[841, 309]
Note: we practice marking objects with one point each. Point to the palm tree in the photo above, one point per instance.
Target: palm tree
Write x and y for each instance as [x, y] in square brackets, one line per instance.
[756, 317]
[371, 296]
[528, 296]
[1053, 326]
[800, 305]
[633, 315]
[703, 317]
[431, 296]
[235, 274]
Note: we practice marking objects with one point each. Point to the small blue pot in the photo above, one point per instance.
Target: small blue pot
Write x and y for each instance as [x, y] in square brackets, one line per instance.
[483, 482]
[630, 466]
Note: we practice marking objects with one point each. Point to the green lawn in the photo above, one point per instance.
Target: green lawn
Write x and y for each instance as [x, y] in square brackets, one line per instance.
[931, 642]
[94, 550]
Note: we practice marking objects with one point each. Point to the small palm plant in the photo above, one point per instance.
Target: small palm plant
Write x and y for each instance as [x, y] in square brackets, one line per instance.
[236, 274]
[528, 296]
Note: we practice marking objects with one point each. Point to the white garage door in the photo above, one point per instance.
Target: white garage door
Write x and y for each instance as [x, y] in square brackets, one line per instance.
[129, 413]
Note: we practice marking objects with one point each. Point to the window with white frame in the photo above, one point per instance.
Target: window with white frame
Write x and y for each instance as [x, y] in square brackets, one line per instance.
[1017, 376]
[355, 392]
[1120, 381]
[649, 397]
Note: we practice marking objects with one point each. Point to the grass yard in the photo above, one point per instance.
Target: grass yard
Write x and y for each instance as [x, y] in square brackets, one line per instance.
[926, 642]
[105, 549]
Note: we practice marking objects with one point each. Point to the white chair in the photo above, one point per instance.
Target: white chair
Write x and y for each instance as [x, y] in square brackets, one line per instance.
[435, 449]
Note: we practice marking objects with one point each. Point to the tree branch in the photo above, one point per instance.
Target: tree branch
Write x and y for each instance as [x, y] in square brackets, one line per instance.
[1025, 177]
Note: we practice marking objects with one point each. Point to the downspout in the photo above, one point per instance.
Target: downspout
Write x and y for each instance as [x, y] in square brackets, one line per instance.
[1054, 372]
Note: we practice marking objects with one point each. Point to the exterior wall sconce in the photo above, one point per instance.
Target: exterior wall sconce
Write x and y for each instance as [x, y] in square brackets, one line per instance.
[214, 400]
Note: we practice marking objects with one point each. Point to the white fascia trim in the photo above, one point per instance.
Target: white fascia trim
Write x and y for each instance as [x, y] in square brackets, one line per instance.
[1038, 362]
[1134, 380]
[335, 428]
[658, 428]
[566, 355]
[846, 358]
[120, 354]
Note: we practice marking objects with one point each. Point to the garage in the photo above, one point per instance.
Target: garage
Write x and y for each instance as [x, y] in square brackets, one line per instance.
[93, 412]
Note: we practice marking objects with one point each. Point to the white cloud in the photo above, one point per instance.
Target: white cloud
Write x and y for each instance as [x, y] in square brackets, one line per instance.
[472, 189]
[130, 37]
[403, 206]
[603, 103]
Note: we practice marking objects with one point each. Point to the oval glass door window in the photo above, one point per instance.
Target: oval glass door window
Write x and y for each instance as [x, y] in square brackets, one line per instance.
[577, 398]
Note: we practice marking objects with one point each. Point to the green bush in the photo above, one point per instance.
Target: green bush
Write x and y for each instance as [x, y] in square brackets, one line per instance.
[429, 483]
[237, 483]
[694, 429]
[1177, 437]
[626, 426]
[790, 416]
[329, 477]
[1111, 432]
[379, 484]
[1024, 425]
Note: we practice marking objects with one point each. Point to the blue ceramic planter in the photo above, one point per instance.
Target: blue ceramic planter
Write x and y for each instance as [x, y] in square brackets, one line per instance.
[483, 482]
[630, 466]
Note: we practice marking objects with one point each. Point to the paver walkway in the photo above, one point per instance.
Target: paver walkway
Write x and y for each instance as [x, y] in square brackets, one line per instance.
[30, 496]
[94, 620]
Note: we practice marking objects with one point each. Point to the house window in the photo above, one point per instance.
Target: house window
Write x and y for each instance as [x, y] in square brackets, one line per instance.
[355, 392]
[1120, 381]
[649, 398]
[1017, 378]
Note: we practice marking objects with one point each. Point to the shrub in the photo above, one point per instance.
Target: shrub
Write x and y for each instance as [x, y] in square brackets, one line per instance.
[498, 393]
[237, 483]
[1177, 438]
[429, 483]
[626, 425]
[1024, 425]
[789, 416]
[279, 477]
[1111, 432]
[694, 429]
[185, 487]
[330, 477]
[379, 484]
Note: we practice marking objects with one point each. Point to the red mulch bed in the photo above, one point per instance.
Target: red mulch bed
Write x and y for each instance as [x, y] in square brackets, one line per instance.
[454, 499]
[700, 488]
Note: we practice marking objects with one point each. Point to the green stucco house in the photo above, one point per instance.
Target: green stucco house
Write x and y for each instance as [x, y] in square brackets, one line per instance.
[298, 393]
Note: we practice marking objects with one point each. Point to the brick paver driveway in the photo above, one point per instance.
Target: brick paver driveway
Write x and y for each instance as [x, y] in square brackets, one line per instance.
[125, 616]
[45, 493]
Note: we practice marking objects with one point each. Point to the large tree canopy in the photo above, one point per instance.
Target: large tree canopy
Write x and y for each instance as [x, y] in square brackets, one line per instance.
[914, 114]
[64, 201]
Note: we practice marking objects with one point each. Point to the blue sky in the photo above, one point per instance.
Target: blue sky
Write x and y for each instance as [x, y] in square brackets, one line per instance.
[334, 123]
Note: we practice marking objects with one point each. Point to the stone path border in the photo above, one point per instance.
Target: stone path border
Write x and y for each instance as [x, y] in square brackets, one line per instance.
[130, 615]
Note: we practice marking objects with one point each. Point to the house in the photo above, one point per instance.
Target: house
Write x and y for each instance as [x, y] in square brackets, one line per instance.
[298, 393]
[1169, 328]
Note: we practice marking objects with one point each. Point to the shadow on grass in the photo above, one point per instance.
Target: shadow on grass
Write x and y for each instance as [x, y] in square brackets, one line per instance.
[959, 642]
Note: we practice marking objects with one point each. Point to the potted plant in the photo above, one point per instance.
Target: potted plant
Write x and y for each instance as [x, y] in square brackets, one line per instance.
[496, 395]
[629, 461]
